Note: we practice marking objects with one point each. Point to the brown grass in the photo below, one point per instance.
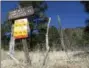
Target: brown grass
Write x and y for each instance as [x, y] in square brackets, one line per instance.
[55, 60]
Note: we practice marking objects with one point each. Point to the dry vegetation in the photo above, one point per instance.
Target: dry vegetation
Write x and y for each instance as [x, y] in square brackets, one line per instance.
[56, 59]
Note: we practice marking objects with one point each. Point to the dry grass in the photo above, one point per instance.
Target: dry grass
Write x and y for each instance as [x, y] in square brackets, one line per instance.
[55, 59]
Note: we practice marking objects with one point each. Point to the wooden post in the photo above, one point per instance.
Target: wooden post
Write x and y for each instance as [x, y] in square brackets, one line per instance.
[26, 52]
[11, 47]
[62, 39]
[61, 35]
[47, 44]
[12, 42]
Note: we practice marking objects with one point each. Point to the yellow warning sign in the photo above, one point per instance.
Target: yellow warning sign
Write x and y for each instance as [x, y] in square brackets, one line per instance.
[20, 28]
